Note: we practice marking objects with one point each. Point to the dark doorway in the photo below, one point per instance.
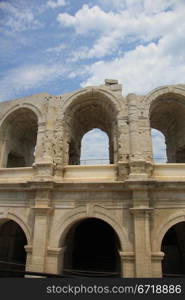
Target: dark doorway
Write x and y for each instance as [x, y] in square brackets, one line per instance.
[15, 161]
[92, 247]
[12, 252]
[173, 245]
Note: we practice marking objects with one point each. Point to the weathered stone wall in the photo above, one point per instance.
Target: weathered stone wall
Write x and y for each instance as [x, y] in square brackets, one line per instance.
[47, 131]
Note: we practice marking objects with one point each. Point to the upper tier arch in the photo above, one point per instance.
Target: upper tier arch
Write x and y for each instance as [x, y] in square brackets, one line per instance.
[151, 97]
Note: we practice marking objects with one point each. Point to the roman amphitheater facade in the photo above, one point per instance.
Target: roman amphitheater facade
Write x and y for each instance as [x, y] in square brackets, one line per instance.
[126, 218]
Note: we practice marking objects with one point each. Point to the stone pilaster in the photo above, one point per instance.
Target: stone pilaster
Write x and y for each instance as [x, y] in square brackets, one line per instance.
[123, 140]
[40, 235]
[142, 241]
[43, 171]
[133, 128]
[137, 161]
[42, 211]
[123, 149]
[39, 150]
[127, 264]
[3, 152]
[123, 171]
[55, 260]
[28, 249]
[157, 258]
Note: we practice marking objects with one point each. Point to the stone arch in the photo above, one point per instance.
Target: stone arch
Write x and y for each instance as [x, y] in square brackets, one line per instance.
[18, 132]
[85, 110]
[66, 222]
[19, 220]
[29, 106]
[61, 238]
[164, 227]
[92, 92]
[160, 91]
[165, 108]
[14, 237]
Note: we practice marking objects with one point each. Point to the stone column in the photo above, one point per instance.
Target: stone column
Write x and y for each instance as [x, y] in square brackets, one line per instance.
[135, 152]
[146, 139]
[42, 211]
[3, 152]
[127, 264]
[157, 258]
[40, 238]
[59, 149]
[137, 161]
[28, 249]
[43, 157]
[44, 148]
[123, 149]
[142, 241]
[39, 150]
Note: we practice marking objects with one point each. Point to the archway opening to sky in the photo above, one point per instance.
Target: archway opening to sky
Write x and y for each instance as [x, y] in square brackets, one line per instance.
[158, 146]
[167, 115]
[95, 148]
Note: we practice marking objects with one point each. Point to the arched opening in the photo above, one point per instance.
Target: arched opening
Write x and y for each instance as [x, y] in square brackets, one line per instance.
[88, 112]
[95, 148]
[158, 146]
[173, 245]
[19, 135]
[167, 115]
[12, 252]
[92, 249]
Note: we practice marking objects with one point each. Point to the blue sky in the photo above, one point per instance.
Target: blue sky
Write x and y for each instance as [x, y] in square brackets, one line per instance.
[57, 46]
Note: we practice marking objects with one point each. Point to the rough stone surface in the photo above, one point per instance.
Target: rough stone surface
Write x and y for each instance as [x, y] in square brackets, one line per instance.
[46, 193]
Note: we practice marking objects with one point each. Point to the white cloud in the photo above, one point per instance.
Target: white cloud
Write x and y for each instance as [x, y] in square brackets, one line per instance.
[140, 70]
[95, 19]
[87, 19]
[103, 46]
[137, 6]
[16, 18]
[147, 66]
[119, 5]
[56, 49]
[115, 28]
[57, 3]
[27, 77]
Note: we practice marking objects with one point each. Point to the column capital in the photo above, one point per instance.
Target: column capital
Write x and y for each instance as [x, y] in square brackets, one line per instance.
[42, 210]
[127, 256]
[55, 251]
[157, 256]
[138, 211]
[28, 248]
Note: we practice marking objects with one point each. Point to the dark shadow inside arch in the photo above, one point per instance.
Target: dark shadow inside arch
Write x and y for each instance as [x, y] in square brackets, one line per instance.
[167, 115]
[15, 161]
[12, 252]
[19, 135]
[173, 245]
[92, 249]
